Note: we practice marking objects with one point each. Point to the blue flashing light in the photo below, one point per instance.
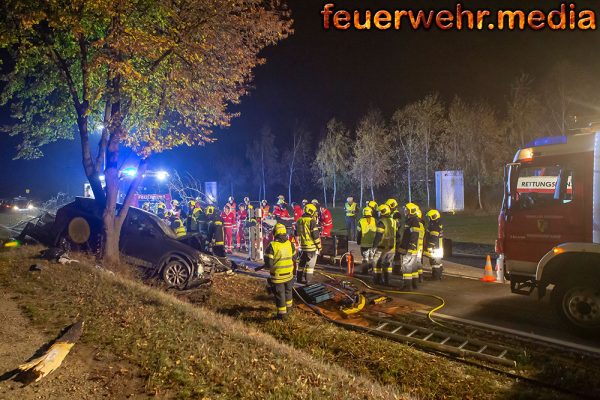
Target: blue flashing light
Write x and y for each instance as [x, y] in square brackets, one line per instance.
[546, 141]
[129, 172]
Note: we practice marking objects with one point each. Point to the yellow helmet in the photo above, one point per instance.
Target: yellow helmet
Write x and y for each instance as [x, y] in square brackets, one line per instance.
[367, 212]
[433, 214]
[310, 209]
[279, 230]
[412, 208]
[192, 203]
[391, 203]
[161, 205]
[210, 210]
[372, 204]
[384, 210]
[174, 203]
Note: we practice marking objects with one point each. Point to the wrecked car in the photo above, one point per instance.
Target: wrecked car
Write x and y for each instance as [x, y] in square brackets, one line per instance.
[146, 242]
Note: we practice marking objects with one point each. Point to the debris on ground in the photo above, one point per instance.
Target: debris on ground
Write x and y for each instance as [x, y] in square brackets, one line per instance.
[39, 367]
[36, 267]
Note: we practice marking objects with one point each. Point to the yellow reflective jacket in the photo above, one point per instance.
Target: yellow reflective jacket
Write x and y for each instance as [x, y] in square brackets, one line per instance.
[279, 257]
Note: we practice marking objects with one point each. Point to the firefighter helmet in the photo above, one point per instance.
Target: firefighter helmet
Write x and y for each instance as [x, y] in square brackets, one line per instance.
[384, 210]
[161, 206]
[192, 204]
[391, 203]
[372, 204]
[230, 199]
[310, 209]
[304, 202]
[433, 214]
[174, 203]
[367, 212]
[350, 199]
[279, 230]
[280, 199]
[210, 210]
[315, 202]
[411, 209]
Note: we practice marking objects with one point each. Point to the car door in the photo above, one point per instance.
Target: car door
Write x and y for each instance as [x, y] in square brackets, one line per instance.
[142, 242]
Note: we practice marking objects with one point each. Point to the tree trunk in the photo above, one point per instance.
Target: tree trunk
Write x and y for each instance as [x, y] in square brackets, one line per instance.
[427, 174]
[408, 178]
[324, 190]
[479, 193]
[372, 191]
[361, 192]
[334, 189]
[290, 184]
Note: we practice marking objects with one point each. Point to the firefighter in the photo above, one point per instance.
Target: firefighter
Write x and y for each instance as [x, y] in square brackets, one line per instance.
[325, 220]
[216, 232]
[434, 245]
[175, 207]
[365, 235]
[160, 210]
[280, 258]
[412, 245]
[167, 217]
[228, 218]
[297, 211]
[146, 206]
[374, 206]
[240, 236]
[247, 203]
[350, 209]
[265, 208]
[191, 223]
[394, 212]
[177, 225]
[307, 233]
[420, 258]
[385, 246]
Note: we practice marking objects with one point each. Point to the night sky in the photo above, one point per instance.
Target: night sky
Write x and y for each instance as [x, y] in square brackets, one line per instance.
[315, 75]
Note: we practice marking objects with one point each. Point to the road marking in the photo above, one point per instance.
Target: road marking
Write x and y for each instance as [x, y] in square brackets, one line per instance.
[518, 333]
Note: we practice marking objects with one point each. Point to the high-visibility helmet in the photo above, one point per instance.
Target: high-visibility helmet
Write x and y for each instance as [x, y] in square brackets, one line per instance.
[391, 203]
[210, 210]
[384, 210]
[192, 203]
[304, 202]
[310, 209]
[411, 208]
[315, 202]
[279, 230]
[161, 206]
[263, 202]
[350, 199]
[174, 203]
[246, 199]
[367, 212]
[230, 199]
[280, 199]
[372, 205]
[433, 214]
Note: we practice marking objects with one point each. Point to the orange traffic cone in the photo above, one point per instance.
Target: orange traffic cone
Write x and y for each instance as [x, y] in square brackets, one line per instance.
[488, 274]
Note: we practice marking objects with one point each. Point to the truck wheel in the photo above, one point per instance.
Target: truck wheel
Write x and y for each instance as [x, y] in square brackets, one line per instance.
[578, 303]
[176, 273]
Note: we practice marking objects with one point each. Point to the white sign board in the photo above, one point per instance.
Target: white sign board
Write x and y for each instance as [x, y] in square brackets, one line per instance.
[449, 191]
[540, 184]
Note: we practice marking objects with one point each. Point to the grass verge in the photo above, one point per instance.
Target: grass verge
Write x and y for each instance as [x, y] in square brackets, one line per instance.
[181, 350]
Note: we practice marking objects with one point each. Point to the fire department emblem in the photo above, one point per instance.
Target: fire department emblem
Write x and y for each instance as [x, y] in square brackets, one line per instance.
[542, 225]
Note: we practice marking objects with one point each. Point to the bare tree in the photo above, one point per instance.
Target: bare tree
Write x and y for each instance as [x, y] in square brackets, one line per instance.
[187, 187]
[262, 155]
[406, 148]
[372, 152]
[333, 156]
[524, 111]
[296, 158]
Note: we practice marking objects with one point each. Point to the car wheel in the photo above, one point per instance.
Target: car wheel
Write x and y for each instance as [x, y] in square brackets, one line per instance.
[176, 273]
[578, 303]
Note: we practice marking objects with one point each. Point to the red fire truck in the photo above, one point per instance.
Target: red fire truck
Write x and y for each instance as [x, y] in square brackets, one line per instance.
[549, 225]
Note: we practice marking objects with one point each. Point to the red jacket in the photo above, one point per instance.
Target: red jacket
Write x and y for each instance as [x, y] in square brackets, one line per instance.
[326, 220]
[232, 207]
[297, 212]
[228, 219]
[281, 212]
[242, 216]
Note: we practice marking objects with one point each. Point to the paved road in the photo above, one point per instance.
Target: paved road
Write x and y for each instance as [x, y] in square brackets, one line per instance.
[493, 304]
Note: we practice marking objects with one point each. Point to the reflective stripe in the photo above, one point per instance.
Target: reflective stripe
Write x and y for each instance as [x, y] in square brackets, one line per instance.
[219, 243]
[407, 276]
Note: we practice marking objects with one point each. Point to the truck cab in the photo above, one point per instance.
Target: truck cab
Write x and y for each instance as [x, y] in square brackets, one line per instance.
[549, 225]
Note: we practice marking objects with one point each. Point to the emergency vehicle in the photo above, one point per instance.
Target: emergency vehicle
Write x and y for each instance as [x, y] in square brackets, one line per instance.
[549, 225]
